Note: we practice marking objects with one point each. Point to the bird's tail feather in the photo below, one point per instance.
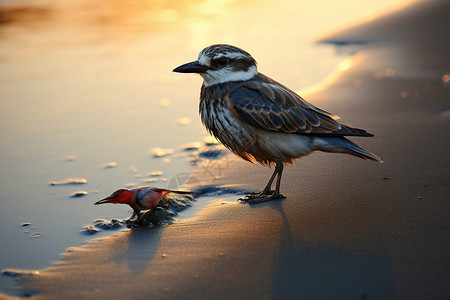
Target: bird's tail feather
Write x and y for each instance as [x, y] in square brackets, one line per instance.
[172, 191]
[343, 145]
[182, 192]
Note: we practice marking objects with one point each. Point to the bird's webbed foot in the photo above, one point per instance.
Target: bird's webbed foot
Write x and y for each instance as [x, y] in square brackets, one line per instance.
[263, 196]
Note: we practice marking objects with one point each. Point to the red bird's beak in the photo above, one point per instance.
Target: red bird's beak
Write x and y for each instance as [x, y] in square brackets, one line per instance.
[106, 200]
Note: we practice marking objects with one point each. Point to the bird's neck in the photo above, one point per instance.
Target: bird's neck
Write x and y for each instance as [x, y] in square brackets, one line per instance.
[212, 78]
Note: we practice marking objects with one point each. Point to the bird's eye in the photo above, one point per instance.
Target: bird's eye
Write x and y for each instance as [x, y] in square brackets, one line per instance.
[222, 61]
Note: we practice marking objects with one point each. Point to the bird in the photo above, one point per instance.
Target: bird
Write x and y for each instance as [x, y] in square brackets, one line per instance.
[139, 199]
[261, 120]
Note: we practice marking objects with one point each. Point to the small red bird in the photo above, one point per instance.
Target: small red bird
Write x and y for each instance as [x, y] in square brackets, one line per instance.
[140, 198]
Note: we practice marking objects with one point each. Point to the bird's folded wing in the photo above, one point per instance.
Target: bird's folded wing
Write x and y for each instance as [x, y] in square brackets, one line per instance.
[274, 107]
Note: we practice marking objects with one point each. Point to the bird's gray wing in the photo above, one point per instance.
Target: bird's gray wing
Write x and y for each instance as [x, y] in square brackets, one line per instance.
[271, 106]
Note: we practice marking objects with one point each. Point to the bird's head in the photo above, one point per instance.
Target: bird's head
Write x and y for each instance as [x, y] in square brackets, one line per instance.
[122, 196]
[220, 64]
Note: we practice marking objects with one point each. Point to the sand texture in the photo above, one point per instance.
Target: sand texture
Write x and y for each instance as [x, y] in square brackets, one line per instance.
[348, 228]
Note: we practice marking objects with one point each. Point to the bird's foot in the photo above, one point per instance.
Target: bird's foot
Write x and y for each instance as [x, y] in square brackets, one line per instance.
[132, 223]
[264, 192]
[129, 223]
[259, 197]
[140, 220]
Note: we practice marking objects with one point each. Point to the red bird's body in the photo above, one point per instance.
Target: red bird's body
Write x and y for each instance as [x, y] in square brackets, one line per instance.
[140, 198]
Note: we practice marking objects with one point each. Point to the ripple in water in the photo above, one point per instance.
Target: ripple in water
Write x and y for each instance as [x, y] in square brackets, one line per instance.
[159, 152]
[69, 181]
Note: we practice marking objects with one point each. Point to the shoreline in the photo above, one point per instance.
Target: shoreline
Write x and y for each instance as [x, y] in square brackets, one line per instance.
[348, 228]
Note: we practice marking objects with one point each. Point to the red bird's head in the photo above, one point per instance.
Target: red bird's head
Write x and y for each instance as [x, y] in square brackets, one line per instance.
[121, 196]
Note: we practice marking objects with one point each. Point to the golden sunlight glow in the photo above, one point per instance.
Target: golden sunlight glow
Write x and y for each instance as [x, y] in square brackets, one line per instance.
[169, 15]
[184, 121]
[345, 65]
[341, 67]
[158, 152]
[213, 6]
[164, 102]
[210, 140]
[111, 164]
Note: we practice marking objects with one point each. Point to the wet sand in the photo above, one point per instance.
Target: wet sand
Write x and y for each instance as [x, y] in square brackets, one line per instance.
[348, 228]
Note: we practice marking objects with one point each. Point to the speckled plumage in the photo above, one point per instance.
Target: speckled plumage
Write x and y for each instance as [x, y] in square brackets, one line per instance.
[261, 120]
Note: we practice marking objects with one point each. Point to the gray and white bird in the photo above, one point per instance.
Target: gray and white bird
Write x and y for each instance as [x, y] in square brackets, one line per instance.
[261, 120]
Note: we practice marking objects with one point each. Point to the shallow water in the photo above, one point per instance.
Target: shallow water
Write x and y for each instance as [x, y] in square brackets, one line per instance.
[89, 103]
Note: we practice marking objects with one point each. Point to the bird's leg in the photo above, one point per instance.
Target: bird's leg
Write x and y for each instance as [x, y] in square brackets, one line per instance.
[267, 190]
[136, 212]
[279, 169]
[267, 194]
[143, 216]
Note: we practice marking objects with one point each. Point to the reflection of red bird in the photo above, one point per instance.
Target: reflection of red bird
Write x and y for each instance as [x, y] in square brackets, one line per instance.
[140, 198]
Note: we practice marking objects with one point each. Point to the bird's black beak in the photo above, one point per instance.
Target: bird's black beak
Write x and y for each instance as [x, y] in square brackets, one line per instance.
[192, 67]
[106, 200]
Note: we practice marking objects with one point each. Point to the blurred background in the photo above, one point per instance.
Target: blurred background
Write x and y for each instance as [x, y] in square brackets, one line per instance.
[87, 92]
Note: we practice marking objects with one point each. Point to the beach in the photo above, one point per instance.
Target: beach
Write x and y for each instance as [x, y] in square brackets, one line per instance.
[346, 229]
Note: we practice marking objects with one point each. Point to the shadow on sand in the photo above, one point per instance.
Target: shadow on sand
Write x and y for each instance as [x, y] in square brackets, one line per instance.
[326, 271]
[143, 244]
